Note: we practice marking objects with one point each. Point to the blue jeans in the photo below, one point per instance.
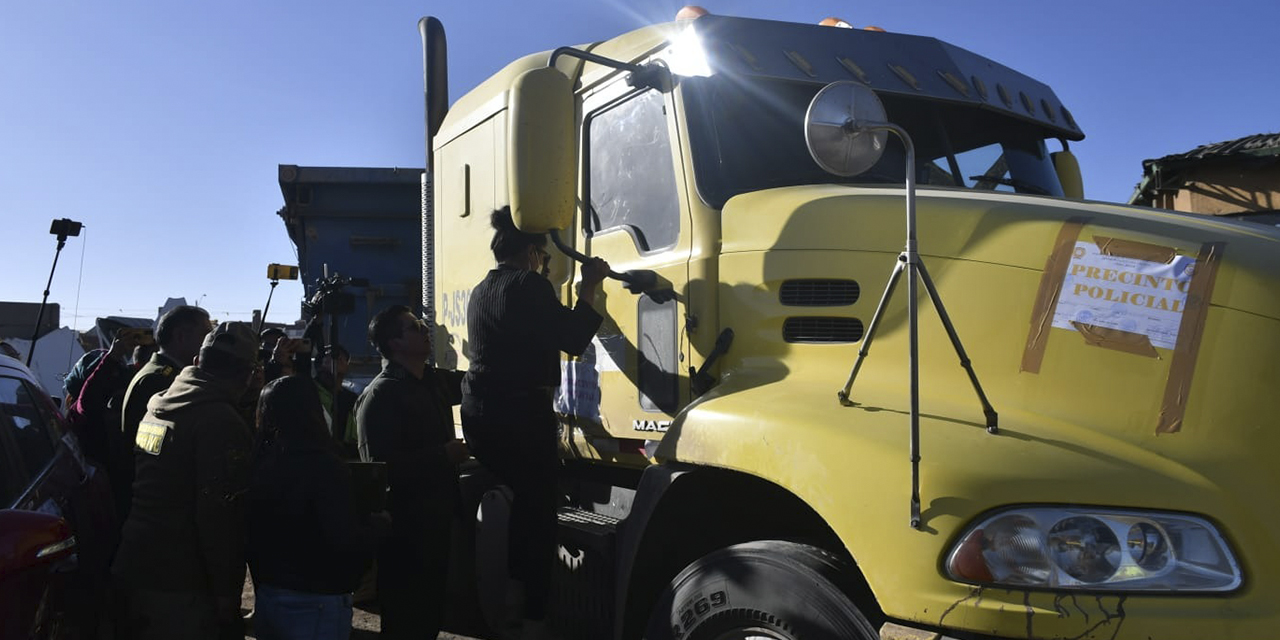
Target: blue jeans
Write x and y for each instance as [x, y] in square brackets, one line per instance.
[284, 614]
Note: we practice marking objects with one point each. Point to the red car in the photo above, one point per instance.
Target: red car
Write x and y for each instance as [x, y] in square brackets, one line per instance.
[56, 518]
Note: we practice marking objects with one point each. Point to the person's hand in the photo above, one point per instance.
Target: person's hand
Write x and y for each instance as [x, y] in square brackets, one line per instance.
[457, 452]
[257, 380]
[123, 345]
[283, 354]
[594, 271]
[285, 348]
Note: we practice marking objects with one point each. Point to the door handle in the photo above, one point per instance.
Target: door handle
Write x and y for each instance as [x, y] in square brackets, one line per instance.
[700, 381]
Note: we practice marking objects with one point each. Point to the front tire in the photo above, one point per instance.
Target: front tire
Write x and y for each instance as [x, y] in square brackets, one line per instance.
[766, 590]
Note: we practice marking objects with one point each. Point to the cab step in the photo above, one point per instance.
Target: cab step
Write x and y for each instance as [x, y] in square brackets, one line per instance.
[582, 600]
[588, 529]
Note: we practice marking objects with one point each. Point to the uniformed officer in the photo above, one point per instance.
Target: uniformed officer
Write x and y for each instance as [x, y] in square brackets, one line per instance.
[179, 334]
[181, 558]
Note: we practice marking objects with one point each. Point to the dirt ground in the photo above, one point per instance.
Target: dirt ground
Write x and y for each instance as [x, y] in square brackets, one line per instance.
[365, 623]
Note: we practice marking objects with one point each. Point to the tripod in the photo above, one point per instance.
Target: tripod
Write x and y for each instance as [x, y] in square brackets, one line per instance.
[910, 262]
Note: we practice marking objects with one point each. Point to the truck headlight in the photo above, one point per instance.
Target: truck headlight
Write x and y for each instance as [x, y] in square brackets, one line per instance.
[1094, 550]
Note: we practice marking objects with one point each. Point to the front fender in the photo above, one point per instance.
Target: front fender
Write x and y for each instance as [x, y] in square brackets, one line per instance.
[851, 466]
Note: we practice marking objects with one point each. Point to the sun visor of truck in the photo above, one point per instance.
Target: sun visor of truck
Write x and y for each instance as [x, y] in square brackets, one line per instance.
[541, 159]
[890, 63]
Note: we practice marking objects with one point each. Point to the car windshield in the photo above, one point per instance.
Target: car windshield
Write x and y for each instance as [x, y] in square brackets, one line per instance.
[748, 134]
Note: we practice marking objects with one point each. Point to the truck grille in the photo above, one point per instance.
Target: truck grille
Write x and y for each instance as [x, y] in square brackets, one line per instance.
[822, 329]
[819, 293]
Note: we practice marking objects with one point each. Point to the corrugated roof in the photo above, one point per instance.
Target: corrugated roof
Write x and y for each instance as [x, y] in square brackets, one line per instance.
[1261, 144]
[1165, 173]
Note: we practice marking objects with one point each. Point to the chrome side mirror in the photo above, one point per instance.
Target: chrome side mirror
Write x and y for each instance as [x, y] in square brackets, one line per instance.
[843, 128]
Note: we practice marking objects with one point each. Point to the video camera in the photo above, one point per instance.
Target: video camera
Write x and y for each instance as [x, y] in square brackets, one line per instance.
[331, 298]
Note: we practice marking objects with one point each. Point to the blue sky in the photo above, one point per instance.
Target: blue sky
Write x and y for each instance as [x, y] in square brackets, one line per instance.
[159, 124]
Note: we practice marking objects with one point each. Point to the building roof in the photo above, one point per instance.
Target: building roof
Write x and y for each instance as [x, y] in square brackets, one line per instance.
[1261, 144]
[1162, 173]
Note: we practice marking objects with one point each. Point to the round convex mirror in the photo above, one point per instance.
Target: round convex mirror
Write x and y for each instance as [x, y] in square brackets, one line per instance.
[835, 128]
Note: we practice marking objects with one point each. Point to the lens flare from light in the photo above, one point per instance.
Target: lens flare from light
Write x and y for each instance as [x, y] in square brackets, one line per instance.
[685, 56]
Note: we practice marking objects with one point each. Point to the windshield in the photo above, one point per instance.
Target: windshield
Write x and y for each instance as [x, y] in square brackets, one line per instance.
[748, 134]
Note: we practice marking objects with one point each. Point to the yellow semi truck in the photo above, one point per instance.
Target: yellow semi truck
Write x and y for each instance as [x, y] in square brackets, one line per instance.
[1100, 468]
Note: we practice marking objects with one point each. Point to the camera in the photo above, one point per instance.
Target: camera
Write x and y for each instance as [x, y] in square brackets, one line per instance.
[142, 335]
[282, 272]
[65, 227]
[330, 297]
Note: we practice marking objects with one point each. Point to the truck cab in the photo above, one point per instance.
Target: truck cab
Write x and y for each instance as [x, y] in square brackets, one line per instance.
[718, 485]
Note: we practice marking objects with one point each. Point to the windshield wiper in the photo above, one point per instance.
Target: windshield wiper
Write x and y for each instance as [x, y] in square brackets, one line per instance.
[1021, 185]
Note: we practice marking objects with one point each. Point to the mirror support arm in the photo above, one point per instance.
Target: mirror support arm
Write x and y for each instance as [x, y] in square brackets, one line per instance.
[910, 262]
[636, 281]
[650, 75]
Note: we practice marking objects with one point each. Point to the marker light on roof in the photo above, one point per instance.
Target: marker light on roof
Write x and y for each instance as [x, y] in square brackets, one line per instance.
[690, 12]
[833, 21]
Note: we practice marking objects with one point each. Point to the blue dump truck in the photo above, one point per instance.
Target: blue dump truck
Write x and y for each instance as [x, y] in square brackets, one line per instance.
[356, 232]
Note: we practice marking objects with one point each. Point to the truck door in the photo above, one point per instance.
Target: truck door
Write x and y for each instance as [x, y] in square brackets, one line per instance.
[635, 218]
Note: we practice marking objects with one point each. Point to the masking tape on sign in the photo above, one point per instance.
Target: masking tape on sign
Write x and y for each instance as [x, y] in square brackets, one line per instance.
[1135, 250]
[1055, 268]
[1178, 387]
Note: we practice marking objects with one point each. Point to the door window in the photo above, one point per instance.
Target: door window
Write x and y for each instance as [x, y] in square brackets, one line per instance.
[30, 426]
[631, 175]
[657, 354]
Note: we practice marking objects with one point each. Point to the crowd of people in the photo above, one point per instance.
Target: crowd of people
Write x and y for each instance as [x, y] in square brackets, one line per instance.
[227, 451]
